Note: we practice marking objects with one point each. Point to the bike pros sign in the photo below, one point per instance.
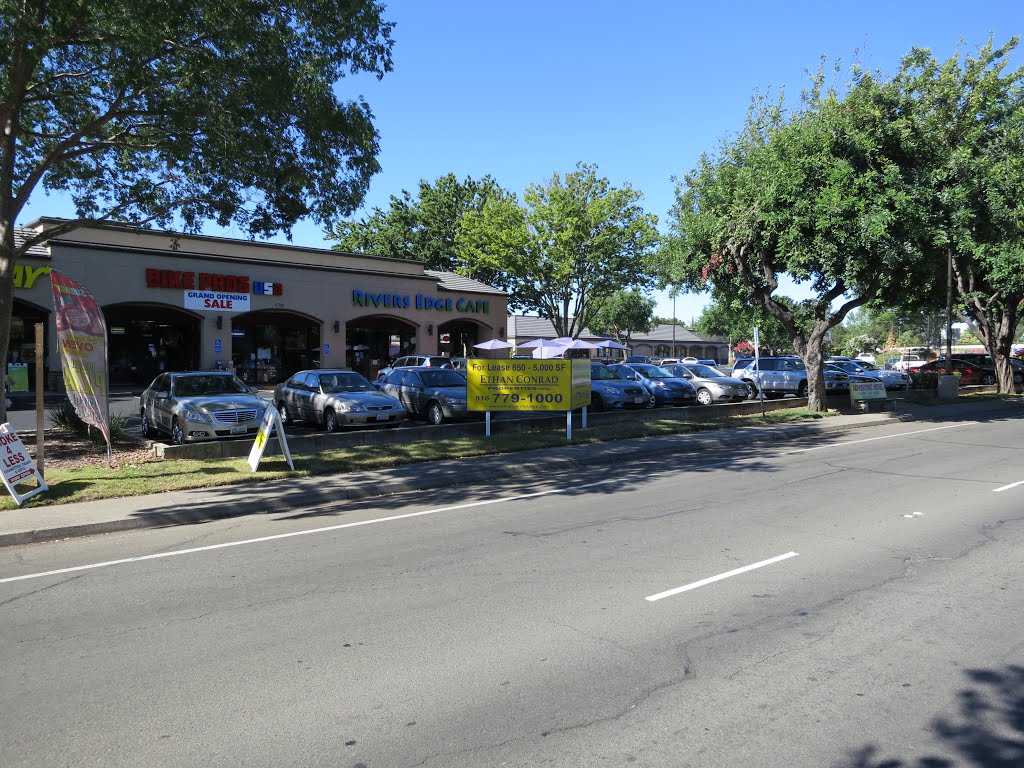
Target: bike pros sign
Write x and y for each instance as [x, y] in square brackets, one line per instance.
[527, 385]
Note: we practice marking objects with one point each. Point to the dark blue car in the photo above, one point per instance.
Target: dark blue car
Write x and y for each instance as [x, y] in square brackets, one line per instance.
[666, 388]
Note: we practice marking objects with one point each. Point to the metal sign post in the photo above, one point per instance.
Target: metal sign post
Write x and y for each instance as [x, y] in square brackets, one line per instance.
[757, 369]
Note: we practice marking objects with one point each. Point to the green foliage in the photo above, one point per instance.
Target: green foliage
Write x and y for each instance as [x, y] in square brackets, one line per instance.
[734, 318]
[65, 418]
[624, 313]
[571, 245]
[927, 379]
[185, 112]
[422, 227]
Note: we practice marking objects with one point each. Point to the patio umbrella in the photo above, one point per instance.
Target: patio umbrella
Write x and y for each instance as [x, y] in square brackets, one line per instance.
[542, 344]
[579, 344]
[492, 344]
[610, 344]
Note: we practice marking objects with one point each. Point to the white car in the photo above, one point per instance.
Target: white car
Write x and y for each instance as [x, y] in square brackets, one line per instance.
[867, 357]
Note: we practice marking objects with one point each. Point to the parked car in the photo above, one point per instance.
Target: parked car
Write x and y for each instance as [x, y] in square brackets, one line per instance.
[739, 364]
[866, 357]
[969, 372]
[666, 388]
[985, 361]
[690, 360]
[191, 406]
[610, 391]
[891, 379]
[780, 376]
[712, 363]
[637, 359]
[335, 398]
[434, 394]
[711, 384]
[909, 362]
[417, 361]
[853, 371]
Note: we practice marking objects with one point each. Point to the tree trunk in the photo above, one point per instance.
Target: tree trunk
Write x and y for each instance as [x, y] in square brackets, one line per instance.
[810, 352]
[7, 263]
[995, 328]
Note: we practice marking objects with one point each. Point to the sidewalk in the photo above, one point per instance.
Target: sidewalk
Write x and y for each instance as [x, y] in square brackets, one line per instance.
[37, 524]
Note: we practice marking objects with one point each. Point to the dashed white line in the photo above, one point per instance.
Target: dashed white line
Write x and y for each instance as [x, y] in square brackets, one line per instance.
[1008, 487]
[883, 437]
[719, 577]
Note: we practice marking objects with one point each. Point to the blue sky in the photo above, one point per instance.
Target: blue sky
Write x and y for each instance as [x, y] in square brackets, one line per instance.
[520, 90]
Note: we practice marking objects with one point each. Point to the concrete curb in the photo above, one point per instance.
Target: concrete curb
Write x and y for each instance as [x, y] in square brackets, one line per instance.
[224, 502]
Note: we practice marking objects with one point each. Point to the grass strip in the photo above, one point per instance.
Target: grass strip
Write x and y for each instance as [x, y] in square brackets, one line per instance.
[92, 483]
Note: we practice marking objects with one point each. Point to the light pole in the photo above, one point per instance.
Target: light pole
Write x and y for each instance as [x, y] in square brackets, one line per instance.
[674, 324]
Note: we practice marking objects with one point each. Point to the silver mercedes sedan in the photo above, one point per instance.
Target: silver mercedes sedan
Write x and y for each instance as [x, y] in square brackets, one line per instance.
[711, 384]
[200, 405]
[335, 398]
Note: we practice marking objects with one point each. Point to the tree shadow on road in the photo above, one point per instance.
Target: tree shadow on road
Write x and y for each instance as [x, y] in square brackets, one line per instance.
[987, 733]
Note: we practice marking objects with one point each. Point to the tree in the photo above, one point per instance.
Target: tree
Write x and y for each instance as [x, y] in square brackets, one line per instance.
[423, 227]
[825, 194]
[624, 313]
[972, 114]
[732, 316]
[157, 112]
[570, 246]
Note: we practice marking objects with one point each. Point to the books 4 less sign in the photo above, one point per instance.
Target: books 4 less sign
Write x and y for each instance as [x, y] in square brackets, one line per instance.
[527, 385]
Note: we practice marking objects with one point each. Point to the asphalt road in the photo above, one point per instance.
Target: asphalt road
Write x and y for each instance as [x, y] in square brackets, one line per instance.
[543, 624]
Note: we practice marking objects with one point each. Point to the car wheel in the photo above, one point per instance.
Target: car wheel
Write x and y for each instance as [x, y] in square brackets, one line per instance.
[147, 426]
[177, 432]
[752, 387]
[801, 391]
[988, 379]
[330, 420]
[704, 397]
[434, 413]
[596, 403]
[652, 401]
[282, 409]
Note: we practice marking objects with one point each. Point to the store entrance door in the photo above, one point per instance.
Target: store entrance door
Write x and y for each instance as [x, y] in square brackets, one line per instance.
[373, 342]
[268, 346]
[144, 340]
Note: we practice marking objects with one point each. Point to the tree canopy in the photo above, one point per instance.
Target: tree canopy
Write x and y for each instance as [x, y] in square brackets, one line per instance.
[571, 244]
[213, 110]
[623, 314]
[423, 226]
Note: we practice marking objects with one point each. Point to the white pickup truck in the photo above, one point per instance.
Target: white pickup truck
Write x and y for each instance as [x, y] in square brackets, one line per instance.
[909, 362]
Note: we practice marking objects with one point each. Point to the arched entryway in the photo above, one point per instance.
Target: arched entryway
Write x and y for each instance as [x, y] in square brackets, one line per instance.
[270, 345]
[21, 352]
[146, 339]
[372, 342]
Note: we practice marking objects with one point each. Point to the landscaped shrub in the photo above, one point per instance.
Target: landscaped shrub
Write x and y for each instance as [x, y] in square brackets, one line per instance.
[928, 379]
[65, 418]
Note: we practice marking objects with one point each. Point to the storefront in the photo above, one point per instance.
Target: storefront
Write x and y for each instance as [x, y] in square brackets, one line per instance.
[183, 302]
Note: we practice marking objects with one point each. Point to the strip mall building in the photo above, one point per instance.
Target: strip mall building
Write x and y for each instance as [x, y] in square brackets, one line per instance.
[185, 302]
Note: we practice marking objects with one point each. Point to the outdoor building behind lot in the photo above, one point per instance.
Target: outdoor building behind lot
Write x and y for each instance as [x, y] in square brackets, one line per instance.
[665, 340]
[175, 301]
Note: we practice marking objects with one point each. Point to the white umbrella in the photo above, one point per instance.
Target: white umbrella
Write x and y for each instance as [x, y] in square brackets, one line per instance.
[609, 344]
[579, 344]
[492, 344]
[542, 344]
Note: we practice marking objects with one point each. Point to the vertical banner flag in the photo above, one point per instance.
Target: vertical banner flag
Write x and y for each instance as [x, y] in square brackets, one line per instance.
[82, 338]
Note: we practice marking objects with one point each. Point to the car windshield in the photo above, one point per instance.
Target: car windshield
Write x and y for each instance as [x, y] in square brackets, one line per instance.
[868, 366]
[344, 381]
[603, 373]
[442, 377]
[200, 386]
[705, 371]
[653, 372]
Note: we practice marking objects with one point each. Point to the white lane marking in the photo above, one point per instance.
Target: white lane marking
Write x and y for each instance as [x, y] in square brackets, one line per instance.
[719, 577]
[1008, 487]
[276, 536]
[883, 437]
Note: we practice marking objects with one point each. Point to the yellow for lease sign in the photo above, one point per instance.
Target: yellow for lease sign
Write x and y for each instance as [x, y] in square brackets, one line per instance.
[528, 385]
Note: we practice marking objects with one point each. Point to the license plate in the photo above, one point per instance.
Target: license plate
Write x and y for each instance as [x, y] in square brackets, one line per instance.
[239, 429]
[638, 399]
[382, 417]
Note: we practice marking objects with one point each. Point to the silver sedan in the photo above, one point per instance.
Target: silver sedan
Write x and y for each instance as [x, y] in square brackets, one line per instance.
[335, 398]
[200, 405]
[711, 384]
